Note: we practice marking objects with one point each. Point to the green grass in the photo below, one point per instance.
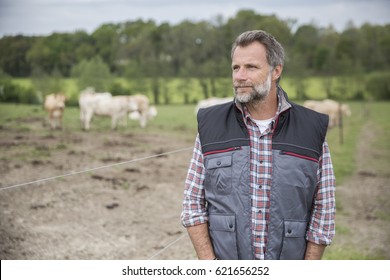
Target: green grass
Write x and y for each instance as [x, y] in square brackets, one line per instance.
[343, 144]
[379, 115]
[13, 112]
[350, 253]
[177, 90]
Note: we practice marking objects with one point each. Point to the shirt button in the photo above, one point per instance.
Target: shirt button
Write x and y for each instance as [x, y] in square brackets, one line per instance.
[260, 186]
[218, 163]
[261, 162]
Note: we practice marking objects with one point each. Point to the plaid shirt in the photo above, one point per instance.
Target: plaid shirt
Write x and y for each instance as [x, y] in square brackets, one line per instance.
[321, 228]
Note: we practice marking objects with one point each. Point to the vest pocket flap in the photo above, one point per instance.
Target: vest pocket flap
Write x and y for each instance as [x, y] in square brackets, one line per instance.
[295, 228]
[219, 162]
[222, 222]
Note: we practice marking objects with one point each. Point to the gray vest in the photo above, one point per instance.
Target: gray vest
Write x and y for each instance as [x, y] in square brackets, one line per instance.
[297, 145]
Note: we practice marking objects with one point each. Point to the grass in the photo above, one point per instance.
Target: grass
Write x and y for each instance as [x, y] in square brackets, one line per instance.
[349, 253]
[379, 114]
[13, 112]
[342, 144]
[178, 90]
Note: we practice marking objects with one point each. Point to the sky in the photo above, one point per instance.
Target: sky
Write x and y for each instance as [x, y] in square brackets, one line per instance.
[44, 17]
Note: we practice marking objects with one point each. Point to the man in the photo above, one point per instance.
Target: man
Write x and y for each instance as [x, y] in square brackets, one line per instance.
[260, 184]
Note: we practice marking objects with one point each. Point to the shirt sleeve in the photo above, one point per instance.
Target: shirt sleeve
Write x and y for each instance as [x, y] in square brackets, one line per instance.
[322, 223]
[194, 205]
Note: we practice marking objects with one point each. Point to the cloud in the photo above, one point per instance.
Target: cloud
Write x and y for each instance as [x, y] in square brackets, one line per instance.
[46, 16]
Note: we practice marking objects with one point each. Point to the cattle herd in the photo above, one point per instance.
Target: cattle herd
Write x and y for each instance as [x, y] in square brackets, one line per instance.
[119, 108]
[137, 107]
[333, 109]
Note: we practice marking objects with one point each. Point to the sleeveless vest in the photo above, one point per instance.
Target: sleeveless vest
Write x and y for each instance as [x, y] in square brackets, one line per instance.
[296, 148]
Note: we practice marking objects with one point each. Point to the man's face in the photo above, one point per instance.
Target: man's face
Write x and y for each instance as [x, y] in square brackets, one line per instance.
[252, 76]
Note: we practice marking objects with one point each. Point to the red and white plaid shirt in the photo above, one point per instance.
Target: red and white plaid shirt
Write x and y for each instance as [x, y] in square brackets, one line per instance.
[321, 229]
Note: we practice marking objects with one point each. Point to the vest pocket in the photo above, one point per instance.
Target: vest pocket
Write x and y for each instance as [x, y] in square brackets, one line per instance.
[219, 171]
[294, 241]
[222, 229]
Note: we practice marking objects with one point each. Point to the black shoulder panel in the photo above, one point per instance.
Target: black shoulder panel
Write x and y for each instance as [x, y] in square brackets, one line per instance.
[300, 130]
[222, 127]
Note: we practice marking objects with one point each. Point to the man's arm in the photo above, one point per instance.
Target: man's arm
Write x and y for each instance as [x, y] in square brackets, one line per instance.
[200, 238]
[314, 251]
[322, 222]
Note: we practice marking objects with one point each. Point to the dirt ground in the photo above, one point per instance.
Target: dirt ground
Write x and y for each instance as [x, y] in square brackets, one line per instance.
[131, 210]
[128, 211]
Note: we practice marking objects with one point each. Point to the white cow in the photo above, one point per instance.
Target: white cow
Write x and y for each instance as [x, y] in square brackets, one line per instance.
[143, 112]
[104, 104]
[331, 108]
[55, 104]
[211, 102]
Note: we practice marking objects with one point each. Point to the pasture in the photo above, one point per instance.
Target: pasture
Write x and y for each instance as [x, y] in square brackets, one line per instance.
[131, 208]
[189, 91]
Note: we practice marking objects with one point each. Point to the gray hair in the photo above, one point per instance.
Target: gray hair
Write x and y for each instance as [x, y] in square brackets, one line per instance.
[274, 50]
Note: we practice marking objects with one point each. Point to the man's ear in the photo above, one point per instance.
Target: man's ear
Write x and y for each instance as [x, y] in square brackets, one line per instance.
[277, 72]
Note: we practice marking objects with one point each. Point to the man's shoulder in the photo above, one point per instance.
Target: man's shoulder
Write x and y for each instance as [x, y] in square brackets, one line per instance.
[216, 109]
[307, 112]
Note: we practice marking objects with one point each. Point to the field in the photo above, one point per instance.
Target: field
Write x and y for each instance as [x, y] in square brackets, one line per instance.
[117, 194]
[189, 91]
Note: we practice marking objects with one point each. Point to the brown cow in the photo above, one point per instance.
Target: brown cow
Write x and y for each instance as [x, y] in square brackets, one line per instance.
[55, 105]
[331, 108]
[211, 102]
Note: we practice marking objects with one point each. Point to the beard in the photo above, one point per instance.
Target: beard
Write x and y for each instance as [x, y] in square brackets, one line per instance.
[259, 92]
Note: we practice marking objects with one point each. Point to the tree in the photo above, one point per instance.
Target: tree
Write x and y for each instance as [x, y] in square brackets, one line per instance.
[92, 73]
[45, 83]
[106, 42]
[13, 55]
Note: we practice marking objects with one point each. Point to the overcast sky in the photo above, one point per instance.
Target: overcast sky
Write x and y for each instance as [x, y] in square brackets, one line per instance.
[43, 17]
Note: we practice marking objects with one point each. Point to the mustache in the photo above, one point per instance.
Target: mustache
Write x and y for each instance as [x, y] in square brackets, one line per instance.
[238, 85]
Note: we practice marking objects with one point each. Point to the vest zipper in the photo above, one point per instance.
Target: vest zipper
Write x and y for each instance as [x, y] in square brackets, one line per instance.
[222, 151]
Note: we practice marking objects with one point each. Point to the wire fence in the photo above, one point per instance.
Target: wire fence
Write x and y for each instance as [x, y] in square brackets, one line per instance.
[34, 182]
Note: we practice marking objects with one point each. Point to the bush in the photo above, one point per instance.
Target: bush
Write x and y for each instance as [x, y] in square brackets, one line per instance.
[92, 73]
[117, 88]
[378, 86]
[13, 93]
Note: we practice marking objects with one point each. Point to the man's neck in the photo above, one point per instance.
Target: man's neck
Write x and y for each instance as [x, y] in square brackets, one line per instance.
[264, 109]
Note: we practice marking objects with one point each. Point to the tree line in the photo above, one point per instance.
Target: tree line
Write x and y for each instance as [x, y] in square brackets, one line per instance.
[143, 49]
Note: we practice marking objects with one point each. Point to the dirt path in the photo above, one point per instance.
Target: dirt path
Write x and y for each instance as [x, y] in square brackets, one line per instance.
[363, 220]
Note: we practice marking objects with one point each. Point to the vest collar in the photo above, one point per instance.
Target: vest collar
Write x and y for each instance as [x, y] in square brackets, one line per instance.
[283, 104]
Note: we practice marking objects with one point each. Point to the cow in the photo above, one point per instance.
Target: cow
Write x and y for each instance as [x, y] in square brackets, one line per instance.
[211, 102]
[104, 104]
[54, 104]
[143, 112]
[329, 107]
[151, 114]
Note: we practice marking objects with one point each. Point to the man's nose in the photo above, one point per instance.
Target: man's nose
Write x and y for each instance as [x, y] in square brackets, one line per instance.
[240, 74]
